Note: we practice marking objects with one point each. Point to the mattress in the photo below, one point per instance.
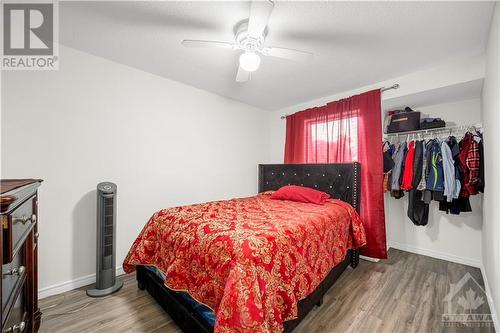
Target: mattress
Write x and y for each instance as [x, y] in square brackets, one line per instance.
[249, 260]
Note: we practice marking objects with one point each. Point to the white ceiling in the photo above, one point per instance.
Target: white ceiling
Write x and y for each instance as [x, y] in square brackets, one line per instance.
[452, 93]
[356, 43]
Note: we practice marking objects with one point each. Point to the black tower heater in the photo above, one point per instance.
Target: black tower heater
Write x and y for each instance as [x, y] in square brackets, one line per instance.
[106, 282]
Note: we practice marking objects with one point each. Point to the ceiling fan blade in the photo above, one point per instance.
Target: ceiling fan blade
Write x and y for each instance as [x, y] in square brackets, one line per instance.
[281, 52]
[260, 11]
[208, 44]
[242, 75]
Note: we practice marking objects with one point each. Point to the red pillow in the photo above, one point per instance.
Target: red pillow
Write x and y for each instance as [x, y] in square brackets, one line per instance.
[300, 194]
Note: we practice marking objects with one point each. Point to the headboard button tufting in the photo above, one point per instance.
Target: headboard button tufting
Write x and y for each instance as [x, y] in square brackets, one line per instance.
[321, 177]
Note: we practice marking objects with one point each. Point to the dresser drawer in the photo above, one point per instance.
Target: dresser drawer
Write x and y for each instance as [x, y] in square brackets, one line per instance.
[17, 320]
[19, 310]
[17, 227]
[13, 275]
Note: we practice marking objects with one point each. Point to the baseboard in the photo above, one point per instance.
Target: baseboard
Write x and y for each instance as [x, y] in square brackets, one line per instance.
[72, 284]
[369, 259]
[494, 314]
[435, 254]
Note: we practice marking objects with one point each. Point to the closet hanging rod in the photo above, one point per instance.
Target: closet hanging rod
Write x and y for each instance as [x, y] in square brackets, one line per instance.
[435, 130]
[394, 86]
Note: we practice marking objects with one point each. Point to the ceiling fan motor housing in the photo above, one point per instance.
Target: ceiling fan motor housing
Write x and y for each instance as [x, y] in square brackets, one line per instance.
[246, 42]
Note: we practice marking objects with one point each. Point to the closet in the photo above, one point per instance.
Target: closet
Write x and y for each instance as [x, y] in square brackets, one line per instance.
[444, 235]
[445, 165]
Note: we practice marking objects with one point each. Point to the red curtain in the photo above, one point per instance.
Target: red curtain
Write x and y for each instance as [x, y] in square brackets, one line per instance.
[343, 131]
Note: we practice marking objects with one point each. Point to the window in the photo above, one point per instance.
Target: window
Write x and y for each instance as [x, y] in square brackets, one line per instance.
[332, 141]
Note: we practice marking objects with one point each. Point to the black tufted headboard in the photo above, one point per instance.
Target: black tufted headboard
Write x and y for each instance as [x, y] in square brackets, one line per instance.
[342, 180]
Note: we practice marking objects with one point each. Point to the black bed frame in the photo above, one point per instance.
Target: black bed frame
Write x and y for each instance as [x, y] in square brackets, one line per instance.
[341, 181]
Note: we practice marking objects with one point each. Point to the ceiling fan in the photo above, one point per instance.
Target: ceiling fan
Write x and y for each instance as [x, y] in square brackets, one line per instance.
[250, 38]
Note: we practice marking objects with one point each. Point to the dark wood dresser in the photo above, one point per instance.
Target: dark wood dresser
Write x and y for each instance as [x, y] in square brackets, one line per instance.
[19, 252]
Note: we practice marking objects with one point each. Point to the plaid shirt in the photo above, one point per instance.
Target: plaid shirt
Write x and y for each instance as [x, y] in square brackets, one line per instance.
[469, 164]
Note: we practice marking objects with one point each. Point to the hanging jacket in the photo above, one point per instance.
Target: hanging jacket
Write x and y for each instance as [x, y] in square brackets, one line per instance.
[455, 150]
[418, 210]
[387, 157]
[451, 184]
[435, 180]
[398, 165]
[427, 193]
[480, 183]
[423, 179]
[407, 183]
[405, 153]
[417, 163]
[469, 160]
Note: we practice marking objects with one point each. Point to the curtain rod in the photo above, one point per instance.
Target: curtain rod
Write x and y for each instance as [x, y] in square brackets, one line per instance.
[394, 86]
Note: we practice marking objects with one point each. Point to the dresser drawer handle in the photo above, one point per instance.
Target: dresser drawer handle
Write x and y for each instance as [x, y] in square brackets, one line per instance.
[16, 271]
[16, 328]
[26, 219]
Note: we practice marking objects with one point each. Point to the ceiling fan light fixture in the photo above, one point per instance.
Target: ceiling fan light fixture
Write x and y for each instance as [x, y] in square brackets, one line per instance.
[249, 61]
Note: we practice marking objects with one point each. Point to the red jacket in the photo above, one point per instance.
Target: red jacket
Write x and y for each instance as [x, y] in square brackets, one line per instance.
[469, 165]
[407, 183]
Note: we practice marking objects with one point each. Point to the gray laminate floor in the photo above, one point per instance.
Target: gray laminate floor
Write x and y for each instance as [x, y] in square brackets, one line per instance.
[402, 294]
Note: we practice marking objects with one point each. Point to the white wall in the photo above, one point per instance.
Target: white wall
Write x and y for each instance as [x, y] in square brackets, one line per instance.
[445, 235]
[162, 142]
[491, 119]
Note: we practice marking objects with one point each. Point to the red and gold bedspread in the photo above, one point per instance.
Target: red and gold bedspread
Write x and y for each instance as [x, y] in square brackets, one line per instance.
[250, 260]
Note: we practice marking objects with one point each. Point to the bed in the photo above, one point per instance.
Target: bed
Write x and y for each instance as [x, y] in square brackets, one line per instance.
[252, 264]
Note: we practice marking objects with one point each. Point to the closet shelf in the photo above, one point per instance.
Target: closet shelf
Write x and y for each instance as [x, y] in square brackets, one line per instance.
[449, 129]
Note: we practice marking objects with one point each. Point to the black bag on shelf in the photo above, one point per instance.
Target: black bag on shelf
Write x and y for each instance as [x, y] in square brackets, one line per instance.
[428, 123]
[403, 121]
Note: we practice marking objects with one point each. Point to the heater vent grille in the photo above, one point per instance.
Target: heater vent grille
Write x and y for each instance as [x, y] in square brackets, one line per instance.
[108, 229]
